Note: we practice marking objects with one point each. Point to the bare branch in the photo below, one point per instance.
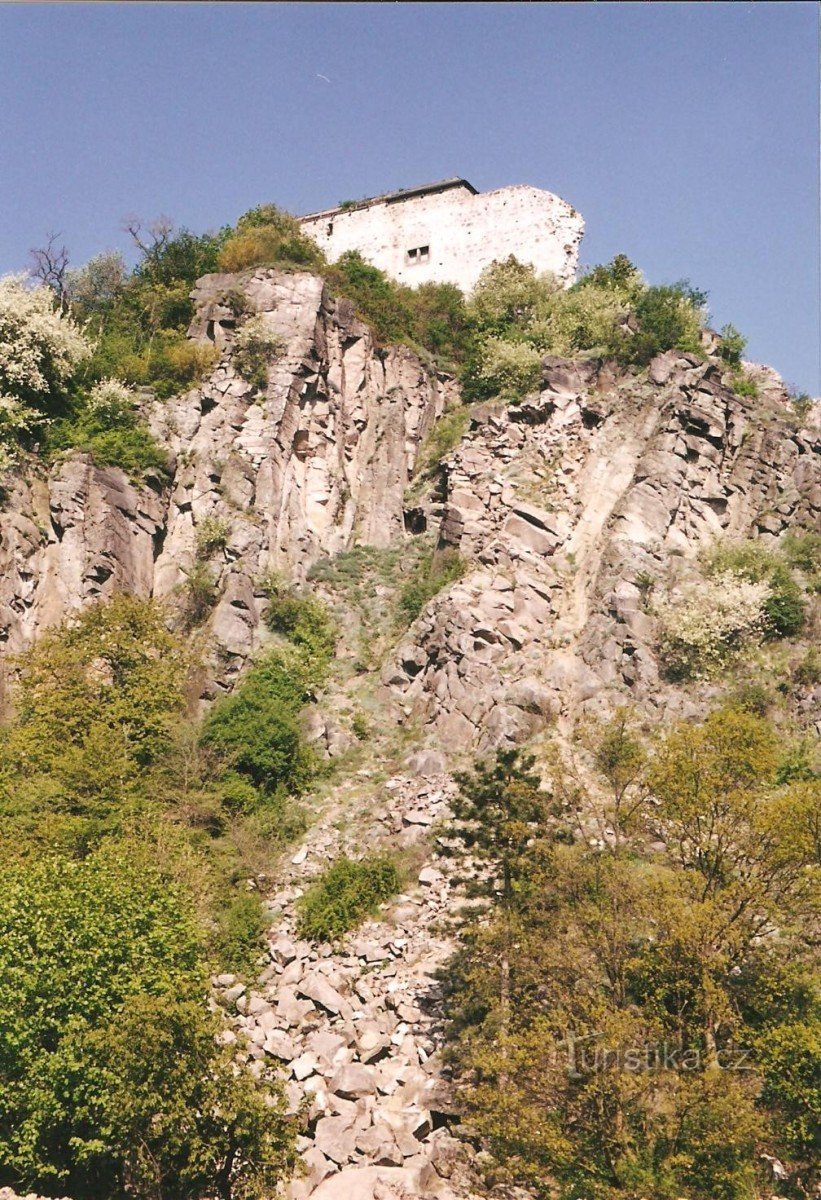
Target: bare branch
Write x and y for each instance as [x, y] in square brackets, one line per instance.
[50, 265]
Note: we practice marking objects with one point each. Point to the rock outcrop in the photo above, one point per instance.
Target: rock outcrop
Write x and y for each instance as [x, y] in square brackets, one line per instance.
[318, 459]
[571, 505]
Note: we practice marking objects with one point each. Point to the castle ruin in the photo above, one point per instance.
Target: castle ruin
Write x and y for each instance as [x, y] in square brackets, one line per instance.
[447, 232]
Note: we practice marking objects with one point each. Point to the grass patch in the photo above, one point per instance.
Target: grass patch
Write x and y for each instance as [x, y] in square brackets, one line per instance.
[435, 572]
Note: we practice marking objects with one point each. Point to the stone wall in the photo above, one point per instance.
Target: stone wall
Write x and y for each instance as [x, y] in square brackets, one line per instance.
[462, 231]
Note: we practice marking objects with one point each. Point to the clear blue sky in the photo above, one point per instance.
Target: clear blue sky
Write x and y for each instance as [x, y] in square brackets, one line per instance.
[686, 134]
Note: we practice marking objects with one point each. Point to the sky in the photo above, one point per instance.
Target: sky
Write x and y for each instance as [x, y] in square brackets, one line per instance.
[687, 135]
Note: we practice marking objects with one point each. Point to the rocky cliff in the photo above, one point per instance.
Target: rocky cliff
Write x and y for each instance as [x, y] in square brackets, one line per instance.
[318, 459]
[570, 506]
[567, 509]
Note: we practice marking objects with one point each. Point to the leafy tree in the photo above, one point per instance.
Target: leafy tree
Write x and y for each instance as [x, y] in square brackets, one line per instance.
[668, 318]
[95, 705]
[41, 348]
[112, 1082]
[599, 1010]
[268, 237]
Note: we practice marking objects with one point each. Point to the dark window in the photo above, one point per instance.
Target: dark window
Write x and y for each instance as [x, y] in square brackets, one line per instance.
[419, 254]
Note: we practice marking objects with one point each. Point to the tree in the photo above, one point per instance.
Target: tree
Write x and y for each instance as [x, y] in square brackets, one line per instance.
[51, 267]
[501, 807]
[40, 350]
[95, 705]
[112, 1080]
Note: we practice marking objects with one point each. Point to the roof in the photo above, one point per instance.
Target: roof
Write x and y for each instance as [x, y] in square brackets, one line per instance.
[423, 189]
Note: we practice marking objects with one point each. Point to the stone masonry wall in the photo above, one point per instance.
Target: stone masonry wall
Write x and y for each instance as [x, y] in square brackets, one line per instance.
[463, 232]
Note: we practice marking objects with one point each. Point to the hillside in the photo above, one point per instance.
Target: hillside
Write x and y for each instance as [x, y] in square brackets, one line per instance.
[465, 699]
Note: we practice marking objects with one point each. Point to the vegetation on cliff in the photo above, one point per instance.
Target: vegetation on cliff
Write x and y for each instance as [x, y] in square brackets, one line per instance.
[640, 1016]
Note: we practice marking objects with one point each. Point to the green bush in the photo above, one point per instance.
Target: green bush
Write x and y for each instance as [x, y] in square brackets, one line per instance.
[732, 345]
[268, 237]
[784, 608]
[240, 927]
[432, 316]
[106, 426]
[210, 536]
[668, 318]
[200, 593]
[255, 730]
[344, 895]
[802, 552]
[253, 348]
[435, 572]
[442, 437]
[302, 619]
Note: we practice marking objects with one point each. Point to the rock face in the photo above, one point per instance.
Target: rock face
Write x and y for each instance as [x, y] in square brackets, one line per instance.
[572, 505]
[317, 460]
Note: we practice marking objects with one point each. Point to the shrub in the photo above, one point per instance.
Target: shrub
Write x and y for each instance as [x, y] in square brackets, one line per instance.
[253, 348]
[302, 619]
[267, 237]
[435, 572]
[509, 369]
[255, 730]
[732, 345]
[107, 427]
[442, 437]
[509, 295]
[803, 553]
[346, 893]
[200, 594]
[240, 927]
[668, 318]
[384, 304]
[210, 535]
[712, 621]
[784, 608]
[743, 385]
[40, 349]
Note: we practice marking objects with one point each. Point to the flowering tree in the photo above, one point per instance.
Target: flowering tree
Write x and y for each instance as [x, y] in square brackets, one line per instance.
[40, 348]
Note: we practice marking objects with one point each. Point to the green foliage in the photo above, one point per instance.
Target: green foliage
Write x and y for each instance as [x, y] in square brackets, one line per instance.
[241, 924]
[210, 535]
[732, 345]
[784, 608]
[668, 318]
[268, 237]
[743, 385]
[517, 318]
[432, 316]
[802, 552]
[41, 349]
[95, 704]
[112, 1081]
[509, 369]
[253, 348]
[140, 320]
[256, 731]
[434, 572]
[105, 425]
[500, 806]
[303, 620]
[599, 1009]
[344, 895]
[442, 437]
[200, 593]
